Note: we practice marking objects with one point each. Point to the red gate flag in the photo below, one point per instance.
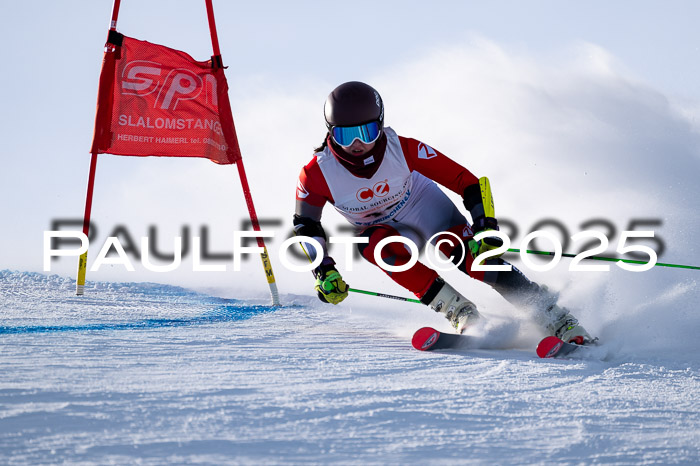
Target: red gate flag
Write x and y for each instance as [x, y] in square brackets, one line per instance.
[154, 100]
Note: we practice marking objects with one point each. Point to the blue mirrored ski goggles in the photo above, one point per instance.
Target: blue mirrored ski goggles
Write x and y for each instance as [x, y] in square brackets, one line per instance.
[344, 136]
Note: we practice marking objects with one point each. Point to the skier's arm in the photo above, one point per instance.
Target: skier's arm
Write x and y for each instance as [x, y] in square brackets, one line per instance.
[437, 166]
[307, 222]
[312, 195]
[330, 287]
[445, 171]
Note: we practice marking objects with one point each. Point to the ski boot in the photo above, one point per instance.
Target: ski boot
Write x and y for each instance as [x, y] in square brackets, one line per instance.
[456, 308]
[566, 327]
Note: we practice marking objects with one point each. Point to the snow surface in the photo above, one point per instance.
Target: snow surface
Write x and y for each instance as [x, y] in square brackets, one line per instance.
[154, 374]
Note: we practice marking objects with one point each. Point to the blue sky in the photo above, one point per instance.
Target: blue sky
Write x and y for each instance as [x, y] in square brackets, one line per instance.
[478, 77]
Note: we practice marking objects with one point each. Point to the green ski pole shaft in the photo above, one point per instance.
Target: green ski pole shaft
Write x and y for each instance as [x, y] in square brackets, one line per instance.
[382, 295]
[609, 259]
[542, 253]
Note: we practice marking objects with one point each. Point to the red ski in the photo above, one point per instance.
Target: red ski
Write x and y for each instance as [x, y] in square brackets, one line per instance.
[553, 347]
[428, 339]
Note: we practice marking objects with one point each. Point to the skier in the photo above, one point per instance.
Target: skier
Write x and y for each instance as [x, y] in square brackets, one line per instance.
[384, 185]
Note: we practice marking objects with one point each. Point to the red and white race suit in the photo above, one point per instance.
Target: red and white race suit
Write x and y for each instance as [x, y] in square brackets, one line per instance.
[400, 198]
[399, 193]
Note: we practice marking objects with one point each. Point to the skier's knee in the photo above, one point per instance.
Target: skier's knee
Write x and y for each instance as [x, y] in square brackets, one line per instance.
[375, 234]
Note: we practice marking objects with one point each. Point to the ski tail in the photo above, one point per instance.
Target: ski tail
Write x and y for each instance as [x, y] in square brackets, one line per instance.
[425, 338]
[553, 347]
[428, 339]
[549, 347]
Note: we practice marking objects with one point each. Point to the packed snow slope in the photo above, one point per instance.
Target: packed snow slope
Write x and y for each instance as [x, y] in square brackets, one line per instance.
[154, 374]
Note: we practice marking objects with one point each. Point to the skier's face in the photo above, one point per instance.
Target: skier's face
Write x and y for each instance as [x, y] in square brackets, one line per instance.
[359, 148]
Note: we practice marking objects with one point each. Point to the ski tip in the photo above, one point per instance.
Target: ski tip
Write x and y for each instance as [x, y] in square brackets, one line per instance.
[425, 338]
[549, 347]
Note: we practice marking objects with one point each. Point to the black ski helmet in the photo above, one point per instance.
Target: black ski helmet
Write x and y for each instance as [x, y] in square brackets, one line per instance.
[353, 103]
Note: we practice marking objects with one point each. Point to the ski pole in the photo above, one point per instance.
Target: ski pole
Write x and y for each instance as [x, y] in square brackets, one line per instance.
[529, 251]
[370, 293]
[610, 259]
[383, 295]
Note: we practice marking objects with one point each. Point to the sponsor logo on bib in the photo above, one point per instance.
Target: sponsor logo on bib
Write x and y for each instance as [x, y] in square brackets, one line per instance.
[380, 189]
